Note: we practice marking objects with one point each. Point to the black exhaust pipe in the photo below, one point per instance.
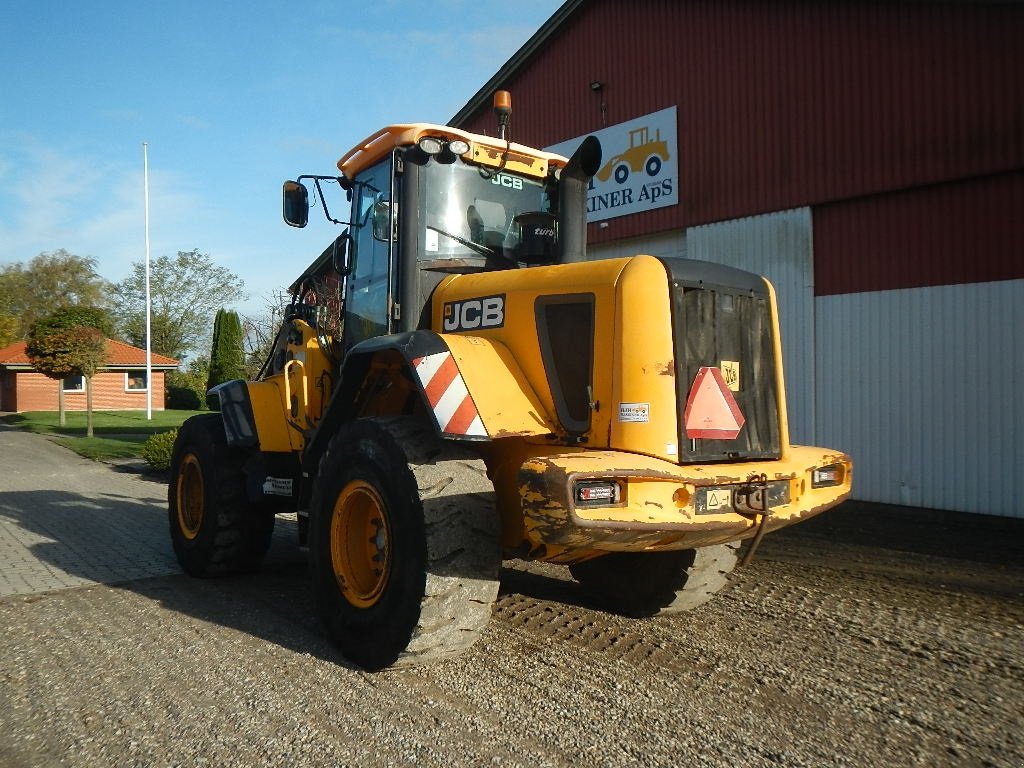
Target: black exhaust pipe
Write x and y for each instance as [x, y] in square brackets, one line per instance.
[572, 200]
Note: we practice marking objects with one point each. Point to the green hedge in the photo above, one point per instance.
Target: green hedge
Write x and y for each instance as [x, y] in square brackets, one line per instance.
[156, 451]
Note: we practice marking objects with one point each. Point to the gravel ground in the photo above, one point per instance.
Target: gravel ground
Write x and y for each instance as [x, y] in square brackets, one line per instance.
[853, 640]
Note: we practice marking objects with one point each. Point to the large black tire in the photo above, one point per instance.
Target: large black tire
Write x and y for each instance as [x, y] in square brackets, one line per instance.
[657, 583]
[404, 544]
[214, 530]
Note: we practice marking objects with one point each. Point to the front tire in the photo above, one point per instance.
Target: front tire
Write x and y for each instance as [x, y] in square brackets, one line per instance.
[643, 584]
[404, 546]
[213, 529]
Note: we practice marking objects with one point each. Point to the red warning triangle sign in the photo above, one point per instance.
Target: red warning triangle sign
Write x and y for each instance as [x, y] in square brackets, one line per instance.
[711, 410]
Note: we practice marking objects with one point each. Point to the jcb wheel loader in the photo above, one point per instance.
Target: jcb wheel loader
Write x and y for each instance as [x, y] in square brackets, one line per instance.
[455, 383]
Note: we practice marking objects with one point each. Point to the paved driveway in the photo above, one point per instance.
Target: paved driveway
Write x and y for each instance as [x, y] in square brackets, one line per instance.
[66, 521]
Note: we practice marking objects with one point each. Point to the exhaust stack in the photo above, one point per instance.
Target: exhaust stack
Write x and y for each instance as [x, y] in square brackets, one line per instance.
[572, 200]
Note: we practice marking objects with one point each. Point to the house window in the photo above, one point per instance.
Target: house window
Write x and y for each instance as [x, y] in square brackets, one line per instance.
[74, 384]
[135, 381]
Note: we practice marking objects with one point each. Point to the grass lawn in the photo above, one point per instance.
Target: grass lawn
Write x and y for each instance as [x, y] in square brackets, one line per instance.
[118, 434]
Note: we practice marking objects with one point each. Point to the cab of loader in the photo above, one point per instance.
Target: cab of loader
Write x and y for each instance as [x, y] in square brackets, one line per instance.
[428, 201]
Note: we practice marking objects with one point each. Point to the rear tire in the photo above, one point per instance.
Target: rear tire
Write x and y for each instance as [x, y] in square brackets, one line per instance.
[404, 544]
[657, 583]
[213, 528]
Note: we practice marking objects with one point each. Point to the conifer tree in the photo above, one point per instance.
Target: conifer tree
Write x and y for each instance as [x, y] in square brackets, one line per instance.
[227, 355]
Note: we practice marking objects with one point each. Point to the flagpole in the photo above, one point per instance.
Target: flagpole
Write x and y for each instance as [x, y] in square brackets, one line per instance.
[149, 340]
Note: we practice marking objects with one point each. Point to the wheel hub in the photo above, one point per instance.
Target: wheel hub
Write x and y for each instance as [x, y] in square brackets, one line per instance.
[360, 544]
[191, 501]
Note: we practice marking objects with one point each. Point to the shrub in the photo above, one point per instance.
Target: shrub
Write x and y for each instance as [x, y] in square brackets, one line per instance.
[184, 399]
[186, 390]
[156, 451]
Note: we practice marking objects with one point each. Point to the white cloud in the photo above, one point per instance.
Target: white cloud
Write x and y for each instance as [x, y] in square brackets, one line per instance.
[57, 197]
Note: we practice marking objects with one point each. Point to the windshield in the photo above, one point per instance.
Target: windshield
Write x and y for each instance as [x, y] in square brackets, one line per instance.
[469, 216]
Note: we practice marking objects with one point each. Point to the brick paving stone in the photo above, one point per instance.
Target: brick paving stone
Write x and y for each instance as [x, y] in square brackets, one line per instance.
[66, 521]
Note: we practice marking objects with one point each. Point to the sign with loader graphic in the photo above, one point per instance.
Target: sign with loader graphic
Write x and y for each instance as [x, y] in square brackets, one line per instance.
[638, 171]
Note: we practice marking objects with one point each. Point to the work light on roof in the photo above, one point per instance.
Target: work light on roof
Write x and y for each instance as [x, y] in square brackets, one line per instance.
[432, 145]
[458, 146]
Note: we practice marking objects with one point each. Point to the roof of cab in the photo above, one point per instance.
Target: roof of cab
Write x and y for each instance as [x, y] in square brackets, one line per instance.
[485, 150]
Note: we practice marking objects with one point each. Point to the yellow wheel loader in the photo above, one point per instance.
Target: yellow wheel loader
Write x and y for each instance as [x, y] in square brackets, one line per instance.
[455, 383]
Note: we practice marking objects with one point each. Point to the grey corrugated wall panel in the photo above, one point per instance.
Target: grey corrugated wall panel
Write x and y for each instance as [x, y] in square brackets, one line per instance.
[778, 246]
[922, 387]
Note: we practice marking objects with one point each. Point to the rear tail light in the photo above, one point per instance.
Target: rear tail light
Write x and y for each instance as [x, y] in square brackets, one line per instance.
[597, 493]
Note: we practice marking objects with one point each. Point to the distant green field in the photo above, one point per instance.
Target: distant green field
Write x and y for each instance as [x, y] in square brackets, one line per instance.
[118, 434]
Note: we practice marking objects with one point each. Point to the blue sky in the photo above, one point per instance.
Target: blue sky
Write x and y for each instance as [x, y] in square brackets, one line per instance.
[232, 98]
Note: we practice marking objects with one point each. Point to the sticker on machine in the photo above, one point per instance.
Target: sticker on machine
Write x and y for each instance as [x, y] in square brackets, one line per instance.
[730, 374]
[636, 413]
[277, 486]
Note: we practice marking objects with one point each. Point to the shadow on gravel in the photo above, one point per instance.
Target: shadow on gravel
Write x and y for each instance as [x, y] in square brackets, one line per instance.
[556, 585]
[117, 540]
[936, 533]
[273, 604]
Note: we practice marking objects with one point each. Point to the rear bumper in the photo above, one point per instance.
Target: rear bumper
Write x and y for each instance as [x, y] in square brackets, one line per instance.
[664, 506]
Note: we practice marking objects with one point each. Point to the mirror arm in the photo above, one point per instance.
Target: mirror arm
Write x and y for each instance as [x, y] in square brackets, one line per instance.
[342, 182]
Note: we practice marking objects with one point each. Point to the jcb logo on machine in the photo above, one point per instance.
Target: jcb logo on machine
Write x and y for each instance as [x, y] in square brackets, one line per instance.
[474, 314]
[504, 180]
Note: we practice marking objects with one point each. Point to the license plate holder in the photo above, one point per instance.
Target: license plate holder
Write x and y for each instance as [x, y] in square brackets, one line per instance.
[721, 500]
[714, 501]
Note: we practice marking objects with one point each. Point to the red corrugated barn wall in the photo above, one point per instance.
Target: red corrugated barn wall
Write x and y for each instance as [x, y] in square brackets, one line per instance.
[785, 104]
[948, 234]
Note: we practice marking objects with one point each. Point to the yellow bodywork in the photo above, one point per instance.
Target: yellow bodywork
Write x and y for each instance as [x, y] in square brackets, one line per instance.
[508, 404]
[633, 362]
[289, 403]
[519, 336]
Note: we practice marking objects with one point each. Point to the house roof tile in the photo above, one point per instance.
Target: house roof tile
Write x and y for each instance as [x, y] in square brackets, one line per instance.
[119, 355]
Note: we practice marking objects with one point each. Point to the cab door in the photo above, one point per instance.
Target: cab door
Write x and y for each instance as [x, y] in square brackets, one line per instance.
[367, 307]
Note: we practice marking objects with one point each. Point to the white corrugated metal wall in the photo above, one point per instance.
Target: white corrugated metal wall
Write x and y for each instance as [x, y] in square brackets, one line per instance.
[662, 244]
[922, 387]
[778, 246]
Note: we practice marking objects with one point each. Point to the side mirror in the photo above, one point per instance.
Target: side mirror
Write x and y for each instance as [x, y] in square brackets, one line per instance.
[295, 204]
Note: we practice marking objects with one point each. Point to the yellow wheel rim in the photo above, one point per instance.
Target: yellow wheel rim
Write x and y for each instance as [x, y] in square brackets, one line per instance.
[360, 544]
[191, 501]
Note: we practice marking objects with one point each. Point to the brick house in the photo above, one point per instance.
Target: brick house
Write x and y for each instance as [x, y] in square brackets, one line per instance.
[119, 384]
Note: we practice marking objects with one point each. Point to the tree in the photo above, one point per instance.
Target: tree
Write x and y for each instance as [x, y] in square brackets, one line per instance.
[260, 331]
[70, 342]
[227, 357]
[9, 329]
[184, 289]
[48, 282]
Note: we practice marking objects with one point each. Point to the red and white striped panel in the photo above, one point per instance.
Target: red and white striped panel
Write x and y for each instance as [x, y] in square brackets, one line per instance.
[447, 394]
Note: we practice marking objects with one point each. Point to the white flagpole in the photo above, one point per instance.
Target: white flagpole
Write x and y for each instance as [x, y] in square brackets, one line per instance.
[149, 341]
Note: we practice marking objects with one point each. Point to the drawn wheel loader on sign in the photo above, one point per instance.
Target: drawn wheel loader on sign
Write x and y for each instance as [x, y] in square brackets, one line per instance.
[455, 383]
[644, 154]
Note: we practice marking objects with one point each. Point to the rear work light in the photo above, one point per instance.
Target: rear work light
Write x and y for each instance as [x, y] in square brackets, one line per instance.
[597, 493]
[826, 477]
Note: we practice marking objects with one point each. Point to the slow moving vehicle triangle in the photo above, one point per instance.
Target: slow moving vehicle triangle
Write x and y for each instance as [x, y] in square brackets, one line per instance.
[711, 410]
